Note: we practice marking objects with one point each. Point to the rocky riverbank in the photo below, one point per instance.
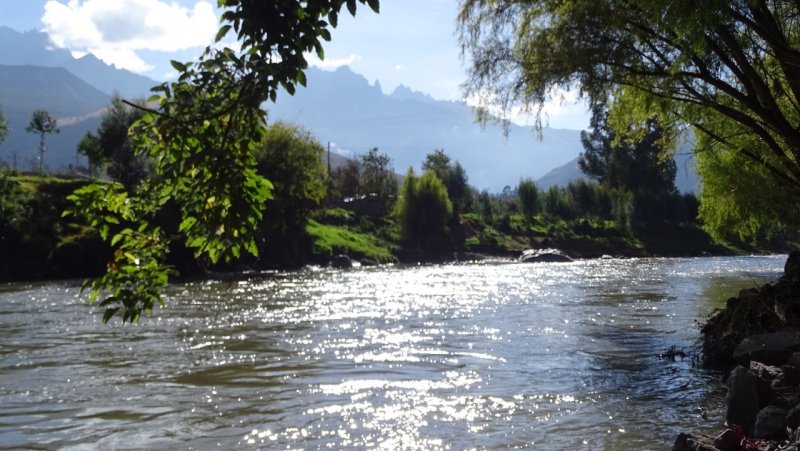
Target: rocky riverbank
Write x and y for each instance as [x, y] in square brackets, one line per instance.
[757, 334]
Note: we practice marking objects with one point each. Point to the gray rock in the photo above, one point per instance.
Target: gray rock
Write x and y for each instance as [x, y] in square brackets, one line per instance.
[791, 270]
[742, 399]
[543, 255]
[727, 441]
[794, 360]
[770, 423]
[765, 376]
[773, 348]
[341, 261]
[793, 417]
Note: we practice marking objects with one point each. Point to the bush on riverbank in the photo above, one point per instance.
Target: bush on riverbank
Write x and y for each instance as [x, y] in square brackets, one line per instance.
[36, 242]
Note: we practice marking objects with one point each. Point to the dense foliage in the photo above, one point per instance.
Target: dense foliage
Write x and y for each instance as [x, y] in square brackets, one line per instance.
[113, 146]
[423, 210]
[292, 160]
[726, 68]
[201, 141]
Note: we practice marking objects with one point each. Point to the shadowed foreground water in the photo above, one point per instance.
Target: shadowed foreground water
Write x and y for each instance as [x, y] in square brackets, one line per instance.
[467, 356]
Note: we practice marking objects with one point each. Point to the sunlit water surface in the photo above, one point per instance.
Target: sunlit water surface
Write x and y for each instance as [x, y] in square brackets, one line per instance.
[466, 356]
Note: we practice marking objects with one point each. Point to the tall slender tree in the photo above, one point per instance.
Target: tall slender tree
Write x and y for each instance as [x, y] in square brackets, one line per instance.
[4, 128]
[43, 123]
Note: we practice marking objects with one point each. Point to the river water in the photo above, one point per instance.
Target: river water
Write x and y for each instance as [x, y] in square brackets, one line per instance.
[463, 356]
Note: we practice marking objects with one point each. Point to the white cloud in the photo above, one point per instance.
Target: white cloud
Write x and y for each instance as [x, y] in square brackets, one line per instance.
[564, 109]
[399, 67]
[116, 30]
[331, 63]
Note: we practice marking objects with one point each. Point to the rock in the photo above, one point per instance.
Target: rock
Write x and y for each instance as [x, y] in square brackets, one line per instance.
[772, 348]
[793, 417]
[785, 397]
[742, 399]
[789, 377]
[794, 360]
[341, 261]
[728, 440]
[765, 376]
[543, 255]
[770, 423]
[791, 270]
[693, 442]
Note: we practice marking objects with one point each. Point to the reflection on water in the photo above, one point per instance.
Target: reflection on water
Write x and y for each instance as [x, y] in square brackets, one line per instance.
[431, 357]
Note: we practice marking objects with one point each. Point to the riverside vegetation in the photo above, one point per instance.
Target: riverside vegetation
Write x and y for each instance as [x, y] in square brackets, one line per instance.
[362, 210]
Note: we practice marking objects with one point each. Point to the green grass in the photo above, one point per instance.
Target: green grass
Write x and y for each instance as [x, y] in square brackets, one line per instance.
[332, 239]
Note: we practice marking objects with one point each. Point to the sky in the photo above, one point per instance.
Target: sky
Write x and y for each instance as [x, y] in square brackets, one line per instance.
[411, 42]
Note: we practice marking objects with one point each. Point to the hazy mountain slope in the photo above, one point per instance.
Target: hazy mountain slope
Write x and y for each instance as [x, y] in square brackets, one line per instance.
[341, 107]
[34, 48]
[685, 179]
[24, 89]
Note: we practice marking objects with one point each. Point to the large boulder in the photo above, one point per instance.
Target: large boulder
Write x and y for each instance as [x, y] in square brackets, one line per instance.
[543, 255]
[770, 423]
[765, 376]
[771, 348]
[341, 261]
[742, 399]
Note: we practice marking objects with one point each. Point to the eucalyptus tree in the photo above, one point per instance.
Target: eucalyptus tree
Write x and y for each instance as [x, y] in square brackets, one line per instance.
[726, 68]
[201, 140]
[43, 123]
[4, 128]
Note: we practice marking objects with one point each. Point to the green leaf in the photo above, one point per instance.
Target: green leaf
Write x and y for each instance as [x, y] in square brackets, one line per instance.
[109, 313]
[222, 32]
[351, 6]
[180, 67]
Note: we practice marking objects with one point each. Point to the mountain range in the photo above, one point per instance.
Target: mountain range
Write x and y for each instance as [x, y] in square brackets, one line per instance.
[341, 108]
[344, 109]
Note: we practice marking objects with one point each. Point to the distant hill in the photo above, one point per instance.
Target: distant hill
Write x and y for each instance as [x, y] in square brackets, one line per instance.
[343, 108]
[23, 89]
[685, 179]
[34, 48]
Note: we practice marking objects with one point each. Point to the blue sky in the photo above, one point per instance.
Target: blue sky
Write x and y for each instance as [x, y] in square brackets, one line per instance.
[411, 42]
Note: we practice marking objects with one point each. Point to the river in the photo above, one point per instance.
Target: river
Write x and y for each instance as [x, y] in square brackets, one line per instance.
[462, 356]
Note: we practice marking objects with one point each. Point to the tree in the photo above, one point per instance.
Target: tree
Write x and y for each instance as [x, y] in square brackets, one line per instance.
[125, 166]
[453, 176]
[89, 146]
[201, 140]
[43, 123]
[423, 210]
[4, 129]
[292, 160]
[439, 163]
[347, 179]
[621, 163]
[377, 177]
[528, 195]
[725, 68]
